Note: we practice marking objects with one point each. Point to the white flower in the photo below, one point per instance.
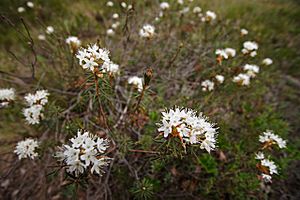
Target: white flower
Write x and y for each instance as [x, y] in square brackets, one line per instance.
[40, 97]
[251, 70]
[266, 178]
[98, 165]
[244, 32]
[26, 149]
[180, 2]
[197, 10]
[6, 96]
[267, 61]
[250, 48]
[190, 127]
[129, 7]
[93, 57]
[21, 9]
[230, 52]
[110, 4]
[184, 10]
[243, 79]
[110, 32]
[253, 53]
[260, 156]
[89, 156]
[111, 68]
[41, 37]
[222, 53]
[115, 16]
[85, 152]
[147, 31]
[49, 30]
[137, 81]
[164, 5]
[220, 78]
[73, 41]
[123, 4]
[210, 16]
[30, 4]
[269, 164]
[270, 138]
[33, 114]
[115, 25]
[207, 85]
[77, 167]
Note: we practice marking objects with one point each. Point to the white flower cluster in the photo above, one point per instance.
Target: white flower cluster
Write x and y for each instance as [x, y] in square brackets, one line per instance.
[147, 31]
[6, 96]
[189, 127]
[96, 59]
[73, 42]
[86, 151]
[251, 70]
[164, 5]
[250, 48]
[243, 79]
[244, 32]
[267, 167]
[209, 16]
[220, 78]
[267, 61]
[207, 85]
[33, 114]
[225, 53]
[268, 138]
[137, 81]
[26, 149]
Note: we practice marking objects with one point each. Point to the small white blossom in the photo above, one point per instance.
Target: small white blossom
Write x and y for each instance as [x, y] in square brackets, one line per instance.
[260, 156]
[267, 61]
[115, 25]
[197, 10]
[207, 85]
[115, 16]
[180, 2]
[184, 10]
[221, 53]
[210, 16]
[26, 149]
[220, 78]
[123, 4]
[73, 41]
[137, 81]
[40, 97]
[244, 32]
[250, 48]
[266, 178]
[33, 114]
[129, 7]
[110, 4]
[30, 4]
[230, 52]
[251, 70]
[6, 96]
[41, 37]
[21, 9]
[270, 138]
[49, 30]
[86, 152]
[110, 32]
[164, 5]
[243, 79]
[190, 127]
[147, 31]
[269, 164]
